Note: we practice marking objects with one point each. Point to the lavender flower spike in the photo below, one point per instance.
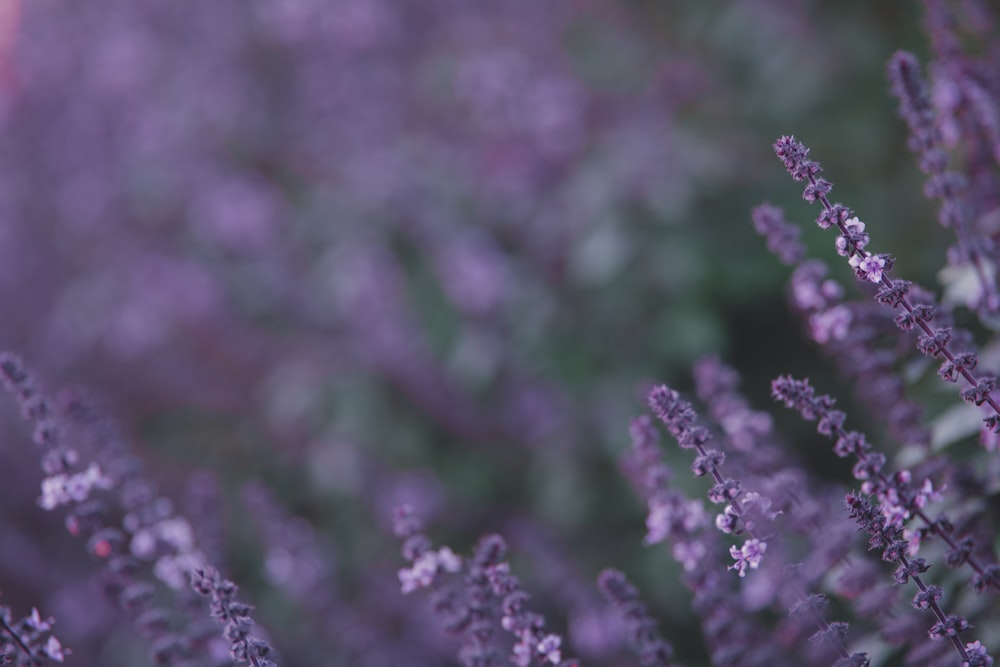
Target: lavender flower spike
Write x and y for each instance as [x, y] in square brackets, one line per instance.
[900, 499]
[533, 644]
[653, 650]
[679, 418]
[29, 641]
[880, 507]
[925, 138]
[935, 342]
[235, 615]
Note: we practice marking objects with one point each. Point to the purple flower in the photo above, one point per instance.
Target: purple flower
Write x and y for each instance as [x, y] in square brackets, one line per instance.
[29, 642]
[927, 597]
[909, 569]
[949, 628]
[853, 238]
[548, 648]
[851, 243]
[234, 615]
[728, 521]
[747, 556]
[870, 266]
[978, 657]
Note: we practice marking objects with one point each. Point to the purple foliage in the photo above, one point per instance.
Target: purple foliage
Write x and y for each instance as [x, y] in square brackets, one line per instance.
[385, 270]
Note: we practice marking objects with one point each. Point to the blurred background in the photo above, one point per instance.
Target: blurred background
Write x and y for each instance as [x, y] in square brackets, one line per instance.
[325, 256]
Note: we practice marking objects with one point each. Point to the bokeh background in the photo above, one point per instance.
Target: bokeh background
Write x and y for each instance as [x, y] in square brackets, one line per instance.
[325, 256]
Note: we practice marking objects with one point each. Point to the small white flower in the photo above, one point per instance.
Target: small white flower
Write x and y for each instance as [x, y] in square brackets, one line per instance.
[55, 650]
[62, 489]
[855, 226]
[176, 532]
[727, 521]
[421, 575]
[871, 267]
[407, 581]
[53, 492]
[926, 494]
[895, 515]
[549, 648]
[753, 550]
[37, 623]
[425, 568]
[913, 537]
[748, 556]
[448, 560]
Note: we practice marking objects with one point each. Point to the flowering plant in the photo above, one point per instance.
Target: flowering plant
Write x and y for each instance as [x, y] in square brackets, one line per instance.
[358, 295]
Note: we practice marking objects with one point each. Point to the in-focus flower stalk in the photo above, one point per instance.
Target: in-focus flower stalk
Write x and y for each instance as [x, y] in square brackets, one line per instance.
[935, 342]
